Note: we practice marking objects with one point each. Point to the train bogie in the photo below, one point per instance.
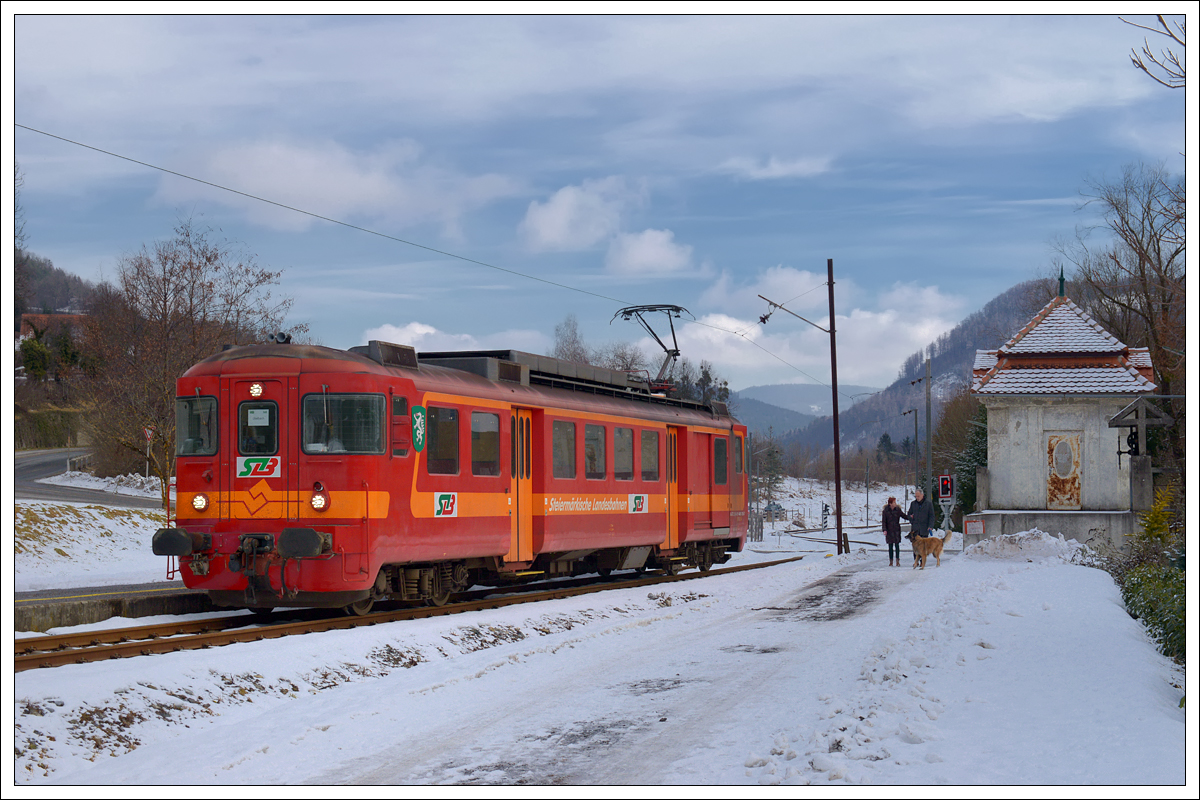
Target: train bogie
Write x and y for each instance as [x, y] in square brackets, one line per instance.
[318, 477]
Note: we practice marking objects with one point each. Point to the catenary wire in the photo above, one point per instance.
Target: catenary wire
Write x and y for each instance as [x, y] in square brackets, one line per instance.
[410, 243]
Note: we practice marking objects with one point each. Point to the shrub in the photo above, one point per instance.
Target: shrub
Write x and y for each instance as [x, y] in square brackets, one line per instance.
[1151, 575]
[1157, 596]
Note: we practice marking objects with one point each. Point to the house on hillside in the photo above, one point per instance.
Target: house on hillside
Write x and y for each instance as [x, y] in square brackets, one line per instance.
[1053, 459]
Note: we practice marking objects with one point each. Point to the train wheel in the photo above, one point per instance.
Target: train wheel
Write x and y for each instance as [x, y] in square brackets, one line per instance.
[706, 560]
[604, 572]
[361, 608]
[440, 599]
[262, 614]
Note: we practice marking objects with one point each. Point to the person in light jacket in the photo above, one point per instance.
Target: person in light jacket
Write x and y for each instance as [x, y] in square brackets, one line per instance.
[891, 529]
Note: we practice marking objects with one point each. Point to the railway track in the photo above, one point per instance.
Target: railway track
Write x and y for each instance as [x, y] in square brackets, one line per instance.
[84, 648]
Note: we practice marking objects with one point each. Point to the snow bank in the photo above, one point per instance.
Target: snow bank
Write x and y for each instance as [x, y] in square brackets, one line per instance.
[130, 485]
[1033, 545]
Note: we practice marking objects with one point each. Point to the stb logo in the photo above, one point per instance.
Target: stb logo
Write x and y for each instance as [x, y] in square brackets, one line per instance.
[418, 428]
[445, 504]
[258, 467]
[639, 503]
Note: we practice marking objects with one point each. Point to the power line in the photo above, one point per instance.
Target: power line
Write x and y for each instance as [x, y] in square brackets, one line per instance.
[402, 241]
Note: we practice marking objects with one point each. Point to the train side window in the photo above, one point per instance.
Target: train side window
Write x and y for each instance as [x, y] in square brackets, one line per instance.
[720, 460]
[564, 449]
[650, 455]
[623, 454]
[441, 448]
[343, 423]
[737, 455]
[485, 443]
[258, 428]
[195, 426]
[594, 457]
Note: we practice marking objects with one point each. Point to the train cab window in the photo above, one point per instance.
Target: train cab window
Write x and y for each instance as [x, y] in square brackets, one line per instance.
[593, 452]
[441, 449]
[564, 449]
[485, 443]
[650, 455]
[720, 460]
[623, 454]
[343, 423]
[195, 426]
[258, 428]
[737, 455]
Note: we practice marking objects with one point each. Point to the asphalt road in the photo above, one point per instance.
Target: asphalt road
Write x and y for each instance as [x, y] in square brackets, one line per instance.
[30, 465]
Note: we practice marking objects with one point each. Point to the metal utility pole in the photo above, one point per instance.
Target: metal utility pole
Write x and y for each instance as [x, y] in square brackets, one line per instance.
[928, 431]
[842, 537]
[916, 453]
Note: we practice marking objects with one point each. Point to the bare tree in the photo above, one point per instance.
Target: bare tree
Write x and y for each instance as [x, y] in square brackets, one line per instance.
[174, 304]
[1135, 283]
[568, 342]
[1169, 63]
[621, 356]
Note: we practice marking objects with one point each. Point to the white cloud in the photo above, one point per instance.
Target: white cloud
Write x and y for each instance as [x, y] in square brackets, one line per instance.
[577, 217]
[876, 330]
[426, 338]
[774, 168]
[799, 290]
[391, 183]
[651, 252]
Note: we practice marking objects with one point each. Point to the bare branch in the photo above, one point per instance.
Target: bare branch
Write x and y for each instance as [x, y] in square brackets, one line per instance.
[1167, 61]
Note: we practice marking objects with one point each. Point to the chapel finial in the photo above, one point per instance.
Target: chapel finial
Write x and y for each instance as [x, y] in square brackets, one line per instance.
[1062, 283]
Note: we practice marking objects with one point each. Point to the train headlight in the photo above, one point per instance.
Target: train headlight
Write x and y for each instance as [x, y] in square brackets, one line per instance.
[200, 502]
[320, 498]
[256, 390]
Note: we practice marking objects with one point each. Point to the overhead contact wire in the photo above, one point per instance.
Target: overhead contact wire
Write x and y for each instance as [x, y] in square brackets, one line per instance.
[405, 241]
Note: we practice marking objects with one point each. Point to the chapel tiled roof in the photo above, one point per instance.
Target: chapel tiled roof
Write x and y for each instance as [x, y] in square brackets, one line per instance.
[1062, 351]
[1063, 327]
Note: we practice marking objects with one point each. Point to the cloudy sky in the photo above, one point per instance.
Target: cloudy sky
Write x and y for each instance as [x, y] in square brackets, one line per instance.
[581, 164]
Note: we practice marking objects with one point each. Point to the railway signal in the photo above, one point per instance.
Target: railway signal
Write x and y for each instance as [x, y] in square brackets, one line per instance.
[945, 487]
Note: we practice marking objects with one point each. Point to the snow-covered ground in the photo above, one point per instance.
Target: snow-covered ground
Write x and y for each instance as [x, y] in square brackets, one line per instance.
[1012, 663]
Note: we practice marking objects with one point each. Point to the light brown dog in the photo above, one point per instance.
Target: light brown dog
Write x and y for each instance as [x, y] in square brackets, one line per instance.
[925, 546]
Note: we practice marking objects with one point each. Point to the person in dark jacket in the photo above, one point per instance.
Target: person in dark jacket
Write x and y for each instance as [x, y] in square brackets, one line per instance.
[920, 514]
[891, 529]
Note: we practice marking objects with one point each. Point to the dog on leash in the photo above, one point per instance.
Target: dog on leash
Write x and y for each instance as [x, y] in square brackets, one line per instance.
[925, 546]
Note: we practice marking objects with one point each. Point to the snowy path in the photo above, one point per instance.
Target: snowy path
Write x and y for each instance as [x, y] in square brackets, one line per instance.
[704, 669]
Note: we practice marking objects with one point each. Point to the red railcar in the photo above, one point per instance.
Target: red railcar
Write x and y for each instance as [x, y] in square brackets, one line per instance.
[308, 476]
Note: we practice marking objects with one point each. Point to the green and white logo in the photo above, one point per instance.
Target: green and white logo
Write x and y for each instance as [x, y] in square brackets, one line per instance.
[445, 504]
[418, 423]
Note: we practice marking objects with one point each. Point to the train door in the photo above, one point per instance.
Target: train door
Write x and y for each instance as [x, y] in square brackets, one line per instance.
[260, 422]
[673, 509]
[721, 478]
[521, 486]
[700, 480]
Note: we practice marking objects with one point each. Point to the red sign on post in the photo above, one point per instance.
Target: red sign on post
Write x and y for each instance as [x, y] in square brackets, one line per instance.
[149, 433]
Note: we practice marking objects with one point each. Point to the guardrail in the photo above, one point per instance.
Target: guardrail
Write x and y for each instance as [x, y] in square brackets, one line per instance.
[75, 462]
